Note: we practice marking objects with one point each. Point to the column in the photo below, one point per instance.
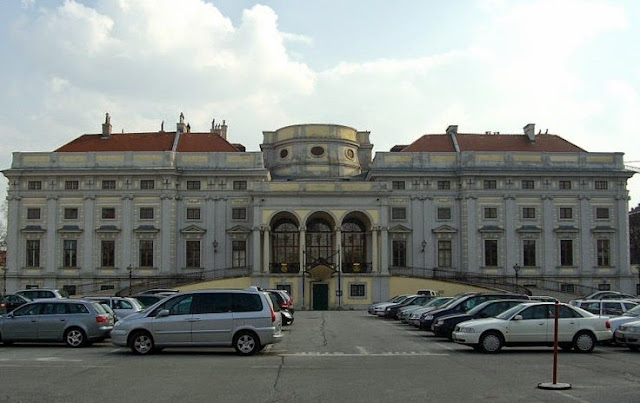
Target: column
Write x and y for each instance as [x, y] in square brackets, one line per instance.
[303, 246]
[257, 264]
[128, 242]
[165, 235]
[89, 236]
[52, 244]
[384, 251]
[623, 260]
[511, 241]
[266, 257]
[550, 259]
[15, 245]
[587, 242]
[472, 235]
[374, 250]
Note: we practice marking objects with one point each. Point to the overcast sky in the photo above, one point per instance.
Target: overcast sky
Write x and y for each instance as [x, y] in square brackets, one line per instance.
[399, 69]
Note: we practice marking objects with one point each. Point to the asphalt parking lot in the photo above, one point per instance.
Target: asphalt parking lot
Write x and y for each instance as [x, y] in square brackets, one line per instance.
[326, 356]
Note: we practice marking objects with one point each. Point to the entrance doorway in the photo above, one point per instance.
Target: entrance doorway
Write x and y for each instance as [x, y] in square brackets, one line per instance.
[320, 297]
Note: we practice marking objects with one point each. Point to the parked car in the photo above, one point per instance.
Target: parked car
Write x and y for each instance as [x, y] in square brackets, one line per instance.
[426, 291]
[606, 307]
[628, 334]
[11, 301]
[242, 319]
[532, 324]
[42, 293]
[121, 306]
[149, 299]
[282, 306]
[631, 315]
[288, 301]
[165, 291]
[377, 307]
[543, 298]
[444, 325]
[464, 304]
[604, 295]
[405, 311]
[391, 311]
[75, 322]
[414, 317]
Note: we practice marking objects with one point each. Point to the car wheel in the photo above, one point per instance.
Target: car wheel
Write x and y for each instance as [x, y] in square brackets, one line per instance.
[491, 342]
[142, 343]
[246, 343]
[75, 337]
[584, 342]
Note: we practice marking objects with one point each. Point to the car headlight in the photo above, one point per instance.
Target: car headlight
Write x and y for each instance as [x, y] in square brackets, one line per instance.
[466, 330]
[439, 322]
[428, 317]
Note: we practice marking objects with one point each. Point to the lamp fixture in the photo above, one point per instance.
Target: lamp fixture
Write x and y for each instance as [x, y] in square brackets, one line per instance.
[215, 246]
[424, 245]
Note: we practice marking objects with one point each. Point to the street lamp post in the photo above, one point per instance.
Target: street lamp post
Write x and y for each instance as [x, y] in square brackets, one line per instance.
[637, 286]
[516, 268]
[4, 280]
[130, 278]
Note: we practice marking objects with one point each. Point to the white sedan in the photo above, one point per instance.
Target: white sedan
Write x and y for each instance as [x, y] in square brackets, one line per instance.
[532, 324]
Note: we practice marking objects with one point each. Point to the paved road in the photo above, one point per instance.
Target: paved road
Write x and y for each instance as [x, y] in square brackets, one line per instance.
[325, 357]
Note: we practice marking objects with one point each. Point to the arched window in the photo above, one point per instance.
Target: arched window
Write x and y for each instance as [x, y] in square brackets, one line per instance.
[354, 246]
[319, 242]
[285, 246]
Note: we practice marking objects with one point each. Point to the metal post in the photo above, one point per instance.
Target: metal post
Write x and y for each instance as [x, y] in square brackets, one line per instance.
[516, 268]
[130, 278]
[4, 280]
[339, 280]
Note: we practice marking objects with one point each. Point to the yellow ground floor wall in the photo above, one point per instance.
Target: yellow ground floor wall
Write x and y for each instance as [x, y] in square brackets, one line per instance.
[406, 285]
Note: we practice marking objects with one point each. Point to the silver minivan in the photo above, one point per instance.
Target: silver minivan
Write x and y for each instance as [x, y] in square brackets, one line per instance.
[243, 319]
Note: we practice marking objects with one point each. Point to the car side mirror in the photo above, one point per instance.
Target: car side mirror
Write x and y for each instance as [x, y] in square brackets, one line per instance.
[517, 317]
[163, 313]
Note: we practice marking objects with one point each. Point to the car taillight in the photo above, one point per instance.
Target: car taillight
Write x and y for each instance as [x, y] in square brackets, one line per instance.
[283, 305]
[607, 325]
[102, 319]
[273, 315]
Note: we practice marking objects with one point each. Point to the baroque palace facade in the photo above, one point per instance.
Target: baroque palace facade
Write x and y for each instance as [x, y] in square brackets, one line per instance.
[315, 212]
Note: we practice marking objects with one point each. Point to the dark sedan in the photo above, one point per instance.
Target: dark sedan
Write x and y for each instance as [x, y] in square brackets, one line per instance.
[392, 310]
[443, 326]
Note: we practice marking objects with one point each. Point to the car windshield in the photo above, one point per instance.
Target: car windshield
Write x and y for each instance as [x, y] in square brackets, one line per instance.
[509, 312]
[440, 302]
[635, 311]
[98, 307]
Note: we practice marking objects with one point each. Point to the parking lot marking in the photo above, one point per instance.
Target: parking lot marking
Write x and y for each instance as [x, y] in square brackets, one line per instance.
[362, 350]
[386, 354]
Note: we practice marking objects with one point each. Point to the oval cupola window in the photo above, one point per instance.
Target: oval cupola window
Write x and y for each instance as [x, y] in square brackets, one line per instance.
[317, 151]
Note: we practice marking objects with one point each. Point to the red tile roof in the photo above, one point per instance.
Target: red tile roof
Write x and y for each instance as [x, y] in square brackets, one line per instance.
[492, 142]
[158, 141]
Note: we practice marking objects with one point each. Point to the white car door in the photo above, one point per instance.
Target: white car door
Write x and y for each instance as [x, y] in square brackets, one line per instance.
[568, 324]
[529, 325]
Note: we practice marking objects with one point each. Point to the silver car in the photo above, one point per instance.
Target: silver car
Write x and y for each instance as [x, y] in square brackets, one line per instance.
[243, 319]
[122, 306]
[73, 321]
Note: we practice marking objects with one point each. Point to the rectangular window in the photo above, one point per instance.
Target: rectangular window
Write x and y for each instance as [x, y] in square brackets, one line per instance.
[566, 252]
[490, 213]
[568, 288]
[565, 185]
[398, 213]
[70, 253]
[602, 213]
[193, 213]
[444, 185]
[398, 185]
[529, 252]
[444, 213]
[444, 253]
[566, 213]
[239, 213]
[528, 213]
[357, 290]
[399, 251]
[528, 184]
[147, 184]
[490, 184]
[146, 253]
[146, 213]
[239, 185]
[193, 185]
[239, 254]
[491, 252]
[71, 185]
[33, 213]
[109, 184]
[193, 254]
[604, 252]
[108, 253]
[602, 185]
[70, 213]
[34, 185]
[108, 213]
[33, 253]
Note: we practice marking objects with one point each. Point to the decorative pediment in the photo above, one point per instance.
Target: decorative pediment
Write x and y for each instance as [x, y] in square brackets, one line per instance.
[70, 228]
[444, 229]
[321, 272]
[107, 228]
[603, 228]
[33, 228]
[529, 228]
[146, 228]
[566, 228]
[193, 229]
[400, 229]
[490, 228]
[239, 229]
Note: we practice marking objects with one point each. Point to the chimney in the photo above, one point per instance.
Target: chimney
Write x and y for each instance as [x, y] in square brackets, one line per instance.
[452, 130]
[530, 132]
[181, 126]
[106, 127]
[223, 130]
